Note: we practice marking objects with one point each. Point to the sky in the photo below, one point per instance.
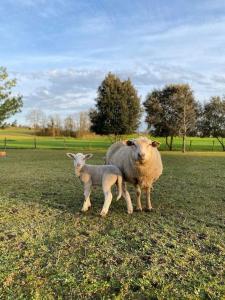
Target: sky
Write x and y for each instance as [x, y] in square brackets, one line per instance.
[61, 50]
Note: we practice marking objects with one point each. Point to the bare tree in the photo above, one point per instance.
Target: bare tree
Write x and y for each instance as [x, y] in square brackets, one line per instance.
[84, 122]
[70, 125]
[37, 119]
[54, 125]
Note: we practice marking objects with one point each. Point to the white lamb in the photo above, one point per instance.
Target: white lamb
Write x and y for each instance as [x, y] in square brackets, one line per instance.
[105, 175]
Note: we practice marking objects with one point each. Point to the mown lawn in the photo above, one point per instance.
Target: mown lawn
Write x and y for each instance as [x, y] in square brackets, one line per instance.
[49, 250]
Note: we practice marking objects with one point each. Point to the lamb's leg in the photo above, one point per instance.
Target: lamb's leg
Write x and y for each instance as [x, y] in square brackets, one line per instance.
[108, 200]
[126, 196]
[138, 193]
[87, 201]
[107, 182]
[148, 199]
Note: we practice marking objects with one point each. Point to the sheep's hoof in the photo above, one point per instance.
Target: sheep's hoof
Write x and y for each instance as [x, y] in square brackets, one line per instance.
[149, 209]
[130, 212]
[138, 209]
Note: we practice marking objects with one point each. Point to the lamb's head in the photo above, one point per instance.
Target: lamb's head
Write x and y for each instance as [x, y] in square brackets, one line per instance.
[79, 160]
[142, 149]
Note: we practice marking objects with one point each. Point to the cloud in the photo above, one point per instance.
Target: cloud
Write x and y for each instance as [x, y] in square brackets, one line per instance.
[61, 50]
[72, 90]
[60, 90]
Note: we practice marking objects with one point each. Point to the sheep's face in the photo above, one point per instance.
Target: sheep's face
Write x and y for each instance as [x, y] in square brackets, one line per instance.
[79, 160]
[142, 149]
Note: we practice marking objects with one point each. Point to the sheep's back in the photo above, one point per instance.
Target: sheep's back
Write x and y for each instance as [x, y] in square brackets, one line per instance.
[120, 155]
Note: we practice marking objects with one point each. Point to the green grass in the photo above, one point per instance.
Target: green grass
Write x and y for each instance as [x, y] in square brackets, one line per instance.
[21, 138]
[49, 250]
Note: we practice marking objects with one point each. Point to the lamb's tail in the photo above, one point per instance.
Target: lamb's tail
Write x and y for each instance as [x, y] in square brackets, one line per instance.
[119, 186]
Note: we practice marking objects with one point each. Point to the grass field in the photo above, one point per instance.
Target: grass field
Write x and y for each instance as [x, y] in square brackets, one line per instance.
[49, 250]
[24, 138]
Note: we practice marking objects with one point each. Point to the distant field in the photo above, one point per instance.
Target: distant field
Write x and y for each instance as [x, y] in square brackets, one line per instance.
[25, 139]
[49, 250]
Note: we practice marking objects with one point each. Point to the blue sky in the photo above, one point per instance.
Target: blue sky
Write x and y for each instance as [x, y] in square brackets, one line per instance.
[61, 50]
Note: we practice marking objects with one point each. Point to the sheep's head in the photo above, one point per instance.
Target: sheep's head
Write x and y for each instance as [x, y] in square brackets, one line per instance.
[79, 160]
[142, 148]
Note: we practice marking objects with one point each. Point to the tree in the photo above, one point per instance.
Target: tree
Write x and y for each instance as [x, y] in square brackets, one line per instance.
[117, 110]
[171, 111]
[69, 125]
[37, 119]
[9, 103]
[213, 119]
[187, 109]
[54, 125]
[84, 123]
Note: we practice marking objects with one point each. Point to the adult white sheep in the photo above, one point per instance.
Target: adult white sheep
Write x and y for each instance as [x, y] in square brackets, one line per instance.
[140, 163]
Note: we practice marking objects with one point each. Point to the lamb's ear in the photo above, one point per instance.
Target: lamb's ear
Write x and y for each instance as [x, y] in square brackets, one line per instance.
[71, 155]
[155, 144]
[130, 143]
[88, 156]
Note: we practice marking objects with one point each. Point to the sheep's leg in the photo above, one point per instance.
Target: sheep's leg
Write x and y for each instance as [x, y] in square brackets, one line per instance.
[87, 201]
[138, 193]
[108, 200]
[148, 199]
[126, 196]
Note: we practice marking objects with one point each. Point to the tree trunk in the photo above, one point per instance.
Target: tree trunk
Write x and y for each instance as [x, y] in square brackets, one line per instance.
[184, 125]
[167, 144]
[184, 144]
[171, 143]
[221, 143]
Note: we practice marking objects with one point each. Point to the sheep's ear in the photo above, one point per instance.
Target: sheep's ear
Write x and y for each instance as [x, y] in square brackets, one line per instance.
[88, 156]
[155, 144]
[130, 143]
[71, 155]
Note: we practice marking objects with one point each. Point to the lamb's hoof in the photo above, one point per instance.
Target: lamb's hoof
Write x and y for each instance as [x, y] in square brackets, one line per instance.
[103, 214]
[84, 209]
[149, 209]
[138, 209]
[130, 212]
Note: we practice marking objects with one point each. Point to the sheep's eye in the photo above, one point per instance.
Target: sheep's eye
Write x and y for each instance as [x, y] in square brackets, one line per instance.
[130, 143]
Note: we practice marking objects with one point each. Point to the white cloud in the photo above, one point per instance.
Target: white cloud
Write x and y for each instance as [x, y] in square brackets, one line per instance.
[73, 90]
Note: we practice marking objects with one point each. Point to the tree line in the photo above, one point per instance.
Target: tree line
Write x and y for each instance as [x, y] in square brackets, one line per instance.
[170, 111]
[73, 125]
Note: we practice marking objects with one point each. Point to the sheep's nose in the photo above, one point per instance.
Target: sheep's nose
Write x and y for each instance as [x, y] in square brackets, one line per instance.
[141, 156]
[78, 165]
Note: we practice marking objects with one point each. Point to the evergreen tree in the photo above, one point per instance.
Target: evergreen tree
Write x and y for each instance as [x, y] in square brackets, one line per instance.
[117, 110]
